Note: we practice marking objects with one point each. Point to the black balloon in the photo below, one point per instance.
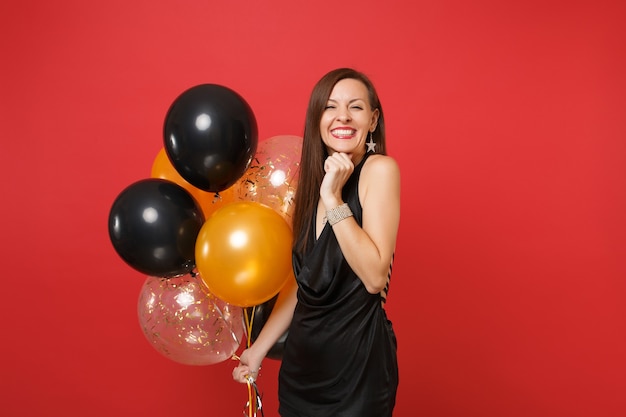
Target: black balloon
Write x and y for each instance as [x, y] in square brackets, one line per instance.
[153, 225]
[259, 315]
[210, 136]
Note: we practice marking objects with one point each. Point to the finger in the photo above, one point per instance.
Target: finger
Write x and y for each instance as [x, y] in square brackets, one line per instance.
[337, 160]
[330, 165]
[239, 371]
[346, 161]
[340, 160]
[241, 379]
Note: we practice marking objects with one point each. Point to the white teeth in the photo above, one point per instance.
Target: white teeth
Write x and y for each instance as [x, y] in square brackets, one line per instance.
[343, 132]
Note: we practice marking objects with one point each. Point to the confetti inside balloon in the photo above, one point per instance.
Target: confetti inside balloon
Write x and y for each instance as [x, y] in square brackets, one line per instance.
[272, 177]
[184, 322]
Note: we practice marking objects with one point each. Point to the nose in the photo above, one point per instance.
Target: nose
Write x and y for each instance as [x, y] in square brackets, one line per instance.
[343, 114]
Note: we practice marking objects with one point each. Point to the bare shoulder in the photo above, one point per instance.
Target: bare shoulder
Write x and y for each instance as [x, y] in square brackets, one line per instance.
[380, 177]
[381, 167]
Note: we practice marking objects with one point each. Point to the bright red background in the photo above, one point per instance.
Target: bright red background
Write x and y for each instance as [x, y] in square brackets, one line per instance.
[507, 120]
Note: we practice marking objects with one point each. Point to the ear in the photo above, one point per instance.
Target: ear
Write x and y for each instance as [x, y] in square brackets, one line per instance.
[374, 122]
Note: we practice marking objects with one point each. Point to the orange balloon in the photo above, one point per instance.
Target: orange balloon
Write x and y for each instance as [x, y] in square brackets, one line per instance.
[243, 253]
[209, 202]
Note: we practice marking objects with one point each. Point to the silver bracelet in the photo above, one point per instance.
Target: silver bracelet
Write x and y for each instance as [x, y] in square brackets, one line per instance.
[338, 214]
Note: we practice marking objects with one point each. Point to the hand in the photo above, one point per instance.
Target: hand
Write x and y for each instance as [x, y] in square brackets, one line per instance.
[338, 168]
[248, 368]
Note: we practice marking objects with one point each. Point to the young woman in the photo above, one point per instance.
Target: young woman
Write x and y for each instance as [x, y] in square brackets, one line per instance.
[339, 358]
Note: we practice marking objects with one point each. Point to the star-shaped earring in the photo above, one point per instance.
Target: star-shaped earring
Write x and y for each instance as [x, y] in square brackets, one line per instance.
[371, 145]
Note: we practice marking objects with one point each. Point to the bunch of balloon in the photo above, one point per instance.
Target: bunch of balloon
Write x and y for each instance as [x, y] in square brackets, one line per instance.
[210, 137]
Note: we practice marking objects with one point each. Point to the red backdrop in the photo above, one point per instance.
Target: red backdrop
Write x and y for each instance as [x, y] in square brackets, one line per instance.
[507, 121]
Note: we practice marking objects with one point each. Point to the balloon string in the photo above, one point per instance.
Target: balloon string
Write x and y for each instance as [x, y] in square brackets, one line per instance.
[250, 400]
[253, 394]
[249, 322]
[254, 400]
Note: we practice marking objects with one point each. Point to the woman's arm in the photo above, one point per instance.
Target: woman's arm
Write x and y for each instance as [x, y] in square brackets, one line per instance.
[277, 323]
[369, 250]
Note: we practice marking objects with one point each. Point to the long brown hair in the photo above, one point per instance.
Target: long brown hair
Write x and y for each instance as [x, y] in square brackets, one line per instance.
[314, 152]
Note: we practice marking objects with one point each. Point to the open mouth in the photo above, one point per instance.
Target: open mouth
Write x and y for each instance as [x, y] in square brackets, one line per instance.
[343, 133]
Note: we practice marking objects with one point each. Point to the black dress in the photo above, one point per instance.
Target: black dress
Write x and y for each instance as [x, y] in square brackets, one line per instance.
[340, 352]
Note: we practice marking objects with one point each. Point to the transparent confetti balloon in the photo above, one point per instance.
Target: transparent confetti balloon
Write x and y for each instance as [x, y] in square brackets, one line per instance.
[272, 177]
[184, 322]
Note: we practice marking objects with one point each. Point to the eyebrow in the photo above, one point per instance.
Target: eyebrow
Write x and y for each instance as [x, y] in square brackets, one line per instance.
[350, 101]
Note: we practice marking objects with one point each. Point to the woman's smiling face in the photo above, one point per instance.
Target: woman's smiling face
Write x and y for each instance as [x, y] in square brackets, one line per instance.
[347, 119]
